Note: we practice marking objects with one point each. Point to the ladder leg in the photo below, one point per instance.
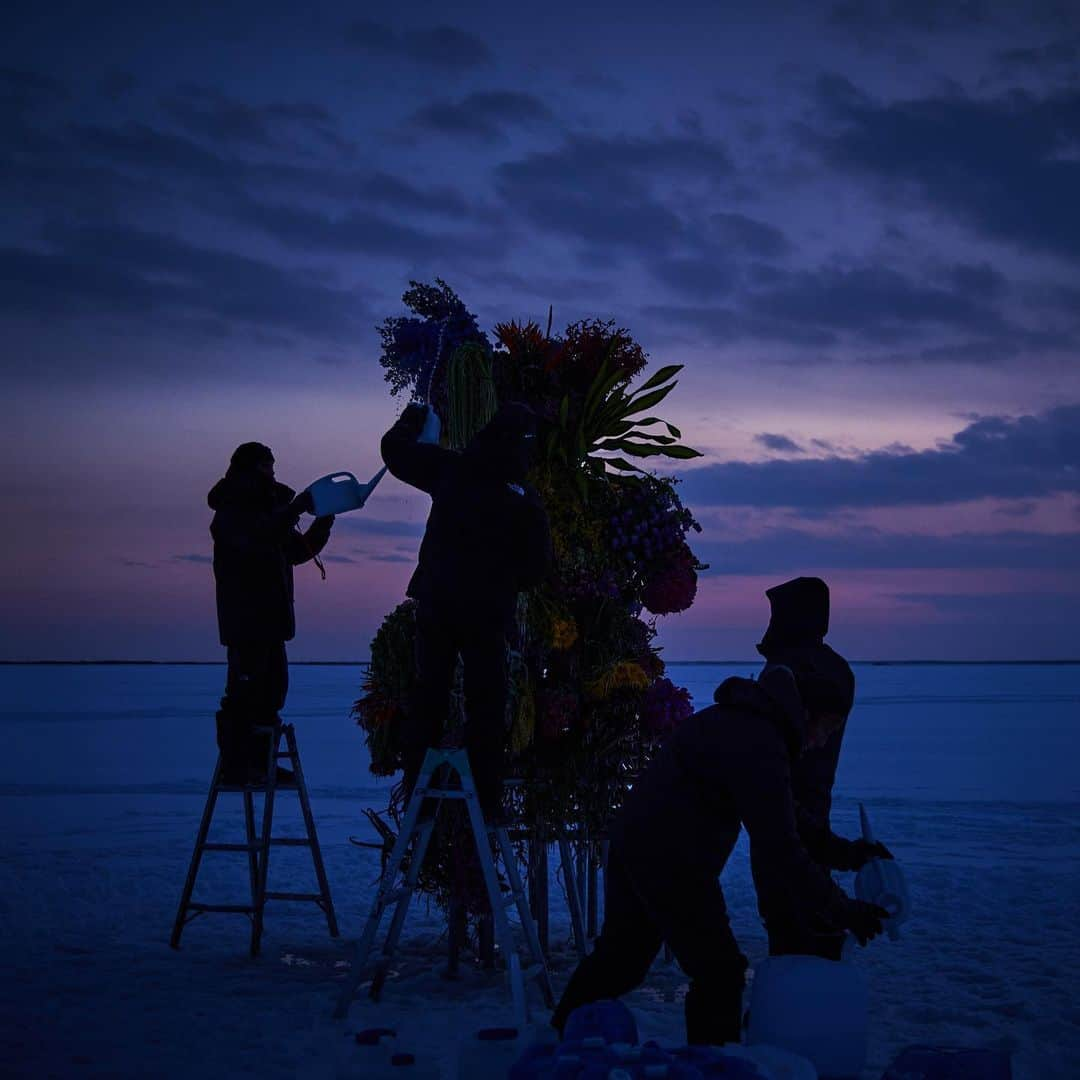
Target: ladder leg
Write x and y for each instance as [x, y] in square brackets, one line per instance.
[196, 857]
[386, 885]
[253, 855]
[309, 823]
[572, 895]
[528, 926]
[259, 902]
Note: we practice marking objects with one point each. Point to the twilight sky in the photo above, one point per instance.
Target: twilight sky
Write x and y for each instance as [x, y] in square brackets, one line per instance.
[856, 223]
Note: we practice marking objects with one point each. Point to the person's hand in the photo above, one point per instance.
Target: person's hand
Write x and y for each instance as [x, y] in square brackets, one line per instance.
[304, 503]
[326, 521]
[414, 417]
[864, 850]
[864, 920]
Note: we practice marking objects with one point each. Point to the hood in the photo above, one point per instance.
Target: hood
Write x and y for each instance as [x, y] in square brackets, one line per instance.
[248, 489]
[799, 615]
[775, 696]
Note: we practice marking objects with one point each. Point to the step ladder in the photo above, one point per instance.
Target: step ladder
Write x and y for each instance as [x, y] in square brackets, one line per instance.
[258, 846]
[436, 782]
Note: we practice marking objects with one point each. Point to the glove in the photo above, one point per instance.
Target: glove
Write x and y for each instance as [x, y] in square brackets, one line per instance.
[412, 419]
[864, 920]
[862, 851]
[304, 503]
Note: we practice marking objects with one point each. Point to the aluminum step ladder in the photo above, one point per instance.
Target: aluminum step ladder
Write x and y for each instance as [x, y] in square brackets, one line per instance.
[436, 782]
[257, 847]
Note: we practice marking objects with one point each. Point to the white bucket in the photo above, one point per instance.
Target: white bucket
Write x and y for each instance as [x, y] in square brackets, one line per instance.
[813, 1007]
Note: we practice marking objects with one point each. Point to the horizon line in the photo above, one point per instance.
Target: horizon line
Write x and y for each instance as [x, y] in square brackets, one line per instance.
[1066, 661]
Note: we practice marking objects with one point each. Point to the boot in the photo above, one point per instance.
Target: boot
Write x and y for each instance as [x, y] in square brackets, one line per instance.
[232, 743]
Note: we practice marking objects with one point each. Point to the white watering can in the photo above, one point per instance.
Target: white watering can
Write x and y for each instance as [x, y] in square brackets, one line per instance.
[882, 882]
[340, 492]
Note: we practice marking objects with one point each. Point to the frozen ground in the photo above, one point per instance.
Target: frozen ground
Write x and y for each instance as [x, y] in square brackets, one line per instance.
[970, 774]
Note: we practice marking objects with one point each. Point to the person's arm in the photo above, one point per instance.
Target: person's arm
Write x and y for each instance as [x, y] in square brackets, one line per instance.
[257, 530]
[421, 465]
[299, 547]
[759, 778]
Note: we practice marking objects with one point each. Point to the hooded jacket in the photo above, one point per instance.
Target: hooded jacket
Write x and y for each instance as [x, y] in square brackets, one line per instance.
[727, 766]
[256, 545]
[487, 536]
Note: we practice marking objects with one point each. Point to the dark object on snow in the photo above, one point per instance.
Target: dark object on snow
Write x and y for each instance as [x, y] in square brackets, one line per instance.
[487, 539]
[726, 766]
[949, 1063]
[256, 545]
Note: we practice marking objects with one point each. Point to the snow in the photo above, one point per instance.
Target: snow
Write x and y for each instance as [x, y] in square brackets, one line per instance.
[969, 774]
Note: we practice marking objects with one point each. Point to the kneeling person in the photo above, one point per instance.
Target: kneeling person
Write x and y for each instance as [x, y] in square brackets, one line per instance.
[726, 766]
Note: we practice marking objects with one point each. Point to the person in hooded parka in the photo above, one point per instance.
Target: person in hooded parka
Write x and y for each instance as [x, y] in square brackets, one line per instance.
[256, 546]
[798, 623]
[727, 766]
[487, 539]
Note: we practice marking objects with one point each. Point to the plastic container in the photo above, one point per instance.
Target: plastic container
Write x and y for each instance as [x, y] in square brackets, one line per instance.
[489, 1052]
[813, 1007]
[340, 492]
[611, 1021]
[949, 1063]
[882, 882]
[773, 1063]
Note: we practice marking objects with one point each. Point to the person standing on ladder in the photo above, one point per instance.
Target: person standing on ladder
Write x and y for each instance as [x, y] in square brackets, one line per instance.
[487, 539]
[256, 545]
[798, 623]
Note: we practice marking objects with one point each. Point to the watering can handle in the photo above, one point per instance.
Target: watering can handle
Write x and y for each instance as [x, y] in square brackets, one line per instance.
[864, 820]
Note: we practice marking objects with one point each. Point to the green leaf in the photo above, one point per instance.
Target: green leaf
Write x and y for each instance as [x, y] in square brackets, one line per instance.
[621, 465]
[672, 429]
[684, 452]
[564, 410]
[661, 376]
[637, 405]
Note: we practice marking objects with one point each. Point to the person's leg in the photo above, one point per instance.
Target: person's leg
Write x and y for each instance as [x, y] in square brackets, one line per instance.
[436, 655]
[244, 705]
[628, 943]
[274, 690]
[694, 922]
[483, 655]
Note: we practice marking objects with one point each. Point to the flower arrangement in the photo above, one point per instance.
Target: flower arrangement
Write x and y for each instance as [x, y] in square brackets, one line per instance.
[588, 693]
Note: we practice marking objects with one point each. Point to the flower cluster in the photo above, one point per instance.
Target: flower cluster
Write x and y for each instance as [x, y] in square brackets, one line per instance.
[665, 706]
[674, 587]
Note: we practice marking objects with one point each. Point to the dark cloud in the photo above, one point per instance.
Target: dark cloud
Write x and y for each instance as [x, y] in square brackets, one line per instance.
[1064, 53]
[791, 551]
[340, 559]
[928, 16]
[193, 558]
[978, 280]
[207, 113]
[380, 527]
[117, 270]
[993, 457]
[444, 47]
[601, 191]
[726, 325]
[24, 91]
[779, 443]
[485, 115]
[742, 235]
[393, 558]
[117, 84]
[1001, 166]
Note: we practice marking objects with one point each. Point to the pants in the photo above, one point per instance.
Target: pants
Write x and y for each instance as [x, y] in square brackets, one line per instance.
[691, 916]
[440, 638]
[255, 688]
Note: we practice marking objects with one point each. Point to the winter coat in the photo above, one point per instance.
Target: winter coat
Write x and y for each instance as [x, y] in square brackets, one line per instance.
[487, 535]
[256, 545]
[728, 765]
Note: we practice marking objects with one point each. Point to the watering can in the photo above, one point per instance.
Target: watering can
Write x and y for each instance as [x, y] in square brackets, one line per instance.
[339, 492]
[882, 882]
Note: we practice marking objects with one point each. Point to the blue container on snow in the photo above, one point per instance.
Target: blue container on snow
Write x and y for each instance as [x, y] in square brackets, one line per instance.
[611, 1021]
[949, 1063]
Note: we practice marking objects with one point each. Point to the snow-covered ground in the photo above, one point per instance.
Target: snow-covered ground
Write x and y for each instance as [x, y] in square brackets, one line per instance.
[970, 774]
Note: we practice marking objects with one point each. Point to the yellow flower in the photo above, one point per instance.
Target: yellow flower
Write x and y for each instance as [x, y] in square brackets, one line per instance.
[564, 633]
[524, 725]
[625, 675]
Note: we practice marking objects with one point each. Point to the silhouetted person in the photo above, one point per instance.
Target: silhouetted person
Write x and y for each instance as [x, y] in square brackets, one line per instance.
[799, 621]
[487, 539]
[256, 545]
[727, 765]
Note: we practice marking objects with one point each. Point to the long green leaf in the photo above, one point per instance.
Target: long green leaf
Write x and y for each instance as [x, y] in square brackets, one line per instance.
[661, 376]
[622, 465]
[672, 429]
[564, 410]
[639, 404]
[684, 452]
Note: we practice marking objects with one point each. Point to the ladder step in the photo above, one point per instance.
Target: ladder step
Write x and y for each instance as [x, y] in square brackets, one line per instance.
[293, 896]
[239, 909]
